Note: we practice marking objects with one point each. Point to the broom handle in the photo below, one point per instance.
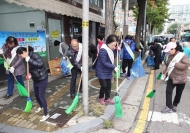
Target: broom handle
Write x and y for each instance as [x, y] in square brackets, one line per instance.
[9, 67]
[79, 83]
[117, 72]
[27, 68]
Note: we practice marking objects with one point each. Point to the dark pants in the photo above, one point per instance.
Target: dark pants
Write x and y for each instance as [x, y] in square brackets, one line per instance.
[169, 90]
[74, 72]
[94, 55]
[105, 88]
[125, 63]
[39, 90]
[11, 83]
[157, 60]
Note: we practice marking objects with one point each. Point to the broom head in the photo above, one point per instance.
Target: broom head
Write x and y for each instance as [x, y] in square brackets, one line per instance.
[118, 108]
[28, 105]
[151, 94]
[159, 76]
[73, 105]
[22, 91]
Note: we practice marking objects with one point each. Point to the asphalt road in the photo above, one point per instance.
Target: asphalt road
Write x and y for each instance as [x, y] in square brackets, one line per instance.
[169, 123]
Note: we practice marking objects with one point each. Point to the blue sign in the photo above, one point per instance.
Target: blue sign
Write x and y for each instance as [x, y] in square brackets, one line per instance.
[35, 39]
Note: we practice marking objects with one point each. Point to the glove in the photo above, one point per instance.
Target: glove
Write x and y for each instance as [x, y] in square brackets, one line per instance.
[27, 58]
[81, 69]
[116, 69]
[12, 69]
[163, 63]
[1, 51]
[139, 50]
[28, 76]
[56, 58]
[118, 48]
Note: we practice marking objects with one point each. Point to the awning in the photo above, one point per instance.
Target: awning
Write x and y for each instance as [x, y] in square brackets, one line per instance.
[57, 7]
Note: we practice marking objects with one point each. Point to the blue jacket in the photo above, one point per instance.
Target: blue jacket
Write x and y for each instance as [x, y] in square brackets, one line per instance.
[126, 54]
[187, 52]
[104, 66]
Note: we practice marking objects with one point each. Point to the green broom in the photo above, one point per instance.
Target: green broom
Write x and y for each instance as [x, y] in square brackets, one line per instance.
[152, 93]
[160, 75]
[118, 108]
[29, 102]
[75, 101]
[21, 89]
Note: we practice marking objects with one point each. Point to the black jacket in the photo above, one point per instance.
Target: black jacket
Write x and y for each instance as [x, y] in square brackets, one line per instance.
[72, 55]
[36, 67]
[156, 49]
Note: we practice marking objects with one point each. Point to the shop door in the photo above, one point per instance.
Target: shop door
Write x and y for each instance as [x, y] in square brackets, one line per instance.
[55, 32]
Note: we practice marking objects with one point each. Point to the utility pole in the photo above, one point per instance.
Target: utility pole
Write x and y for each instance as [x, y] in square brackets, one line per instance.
[85, 24]
[126, 11]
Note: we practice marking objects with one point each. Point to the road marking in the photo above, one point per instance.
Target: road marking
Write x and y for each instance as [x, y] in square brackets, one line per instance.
[145, 108]
[175, 118]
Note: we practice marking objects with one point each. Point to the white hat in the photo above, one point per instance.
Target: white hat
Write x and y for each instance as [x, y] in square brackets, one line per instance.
[170, 46]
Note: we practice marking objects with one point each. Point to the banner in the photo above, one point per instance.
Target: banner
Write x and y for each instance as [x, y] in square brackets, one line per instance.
[37, 40]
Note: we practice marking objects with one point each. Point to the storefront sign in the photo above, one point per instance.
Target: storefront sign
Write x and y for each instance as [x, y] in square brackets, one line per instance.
[35, 39]
[55, 34]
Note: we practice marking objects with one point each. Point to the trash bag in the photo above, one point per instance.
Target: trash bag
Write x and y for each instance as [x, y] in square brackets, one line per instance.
[150, 61]
[64, 69]
[137, 69]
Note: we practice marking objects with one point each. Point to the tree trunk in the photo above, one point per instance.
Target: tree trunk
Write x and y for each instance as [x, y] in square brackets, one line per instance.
[108, 17]
[140, 21]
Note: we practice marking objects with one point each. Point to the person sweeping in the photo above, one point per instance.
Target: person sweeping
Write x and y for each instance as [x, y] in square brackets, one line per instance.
[177, 68]
[105, 66]
[39, 75]
[15, 67]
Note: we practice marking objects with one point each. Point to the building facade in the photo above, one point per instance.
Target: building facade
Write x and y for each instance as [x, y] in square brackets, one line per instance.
[40, 22]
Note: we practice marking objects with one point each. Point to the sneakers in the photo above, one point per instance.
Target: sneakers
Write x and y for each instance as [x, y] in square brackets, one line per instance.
[128, 78]
[7, 96]
[167, 110]
[123, 75]
[38, 110]
[174, 109]
[44, 117]
[109, 101]
[102, 102]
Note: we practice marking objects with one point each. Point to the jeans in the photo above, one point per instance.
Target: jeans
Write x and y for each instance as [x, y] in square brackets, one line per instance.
[11, 83]
[105, 88]
[39, 90]
[74, 72]
[169, 90]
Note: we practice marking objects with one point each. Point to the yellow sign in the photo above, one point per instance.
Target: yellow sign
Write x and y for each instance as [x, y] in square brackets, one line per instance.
[55, 34]
[85, 24]
[35, 39]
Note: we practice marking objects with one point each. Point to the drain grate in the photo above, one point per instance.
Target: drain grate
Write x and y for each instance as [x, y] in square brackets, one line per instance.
[59, 117]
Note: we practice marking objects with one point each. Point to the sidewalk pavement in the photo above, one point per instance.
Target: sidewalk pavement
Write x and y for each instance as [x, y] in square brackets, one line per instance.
[12, 116]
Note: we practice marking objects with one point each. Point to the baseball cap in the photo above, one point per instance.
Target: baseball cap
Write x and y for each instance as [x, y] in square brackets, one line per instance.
[170, 46]
[128, 41]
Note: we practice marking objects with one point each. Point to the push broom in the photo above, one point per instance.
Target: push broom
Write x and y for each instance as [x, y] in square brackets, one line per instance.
[152, 93]
[118, 108]
[21, 89]
[160, 75]
[75, 101]
[29, 102]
